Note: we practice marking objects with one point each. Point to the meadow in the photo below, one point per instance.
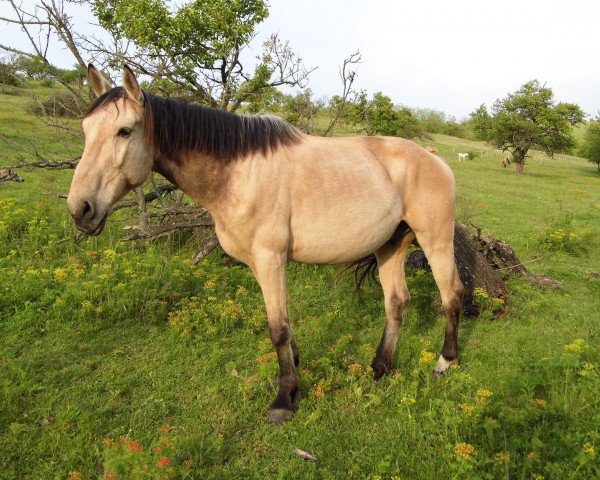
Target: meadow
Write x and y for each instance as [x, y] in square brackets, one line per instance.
[125, 361]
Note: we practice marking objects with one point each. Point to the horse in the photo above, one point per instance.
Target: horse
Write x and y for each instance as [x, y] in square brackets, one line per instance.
[505, 162]
[463, 157]
[8, 174]
[432, 149]
[277, 194]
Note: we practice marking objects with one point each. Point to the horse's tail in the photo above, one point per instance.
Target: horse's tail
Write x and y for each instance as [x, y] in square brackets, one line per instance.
[366, 267]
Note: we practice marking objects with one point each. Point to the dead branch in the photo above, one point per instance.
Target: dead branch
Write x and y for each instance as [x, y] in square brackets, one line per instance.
[209, 246]
[49, 164]
[305, 455]
[152, 233]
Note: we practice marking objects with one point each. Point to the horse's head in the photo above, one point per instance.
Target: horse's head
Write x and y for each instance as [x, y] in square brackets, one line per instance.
[117, 156]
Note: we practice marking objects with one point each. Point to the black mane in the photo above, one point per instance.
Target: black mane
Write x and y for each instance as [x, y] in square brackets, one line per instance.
[175, 127]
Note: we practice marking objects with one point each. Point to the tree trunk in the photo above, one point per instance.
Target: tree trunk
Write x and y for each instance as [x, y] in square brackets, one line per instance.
[518, 155]
[475, 271]
[519, 167]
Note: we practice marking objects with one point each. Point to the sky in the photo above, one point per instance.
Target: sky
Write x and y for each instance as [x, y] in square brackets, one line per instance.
[450, 56]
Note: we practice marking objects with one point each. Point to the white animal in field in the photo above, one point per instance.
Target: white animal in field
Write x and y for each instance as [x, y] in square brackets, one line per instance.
[463, 157]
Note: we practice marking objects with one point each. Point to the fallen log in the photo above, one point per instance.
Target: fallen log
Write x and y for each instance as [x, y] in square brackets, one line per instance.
[481, 260]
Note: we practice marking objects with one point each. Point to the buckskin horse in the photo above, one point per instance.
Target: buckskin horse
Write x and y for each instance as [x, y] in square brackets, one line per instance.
[277, 194]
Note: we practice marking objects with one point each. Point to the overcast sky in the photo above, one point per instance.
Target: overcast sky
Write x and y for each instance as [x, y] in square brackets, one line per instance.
[447, 55]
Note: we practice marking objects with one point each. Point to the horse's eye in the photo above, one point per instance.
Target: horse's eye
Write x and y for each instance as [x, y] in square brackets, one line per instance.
[124, 132]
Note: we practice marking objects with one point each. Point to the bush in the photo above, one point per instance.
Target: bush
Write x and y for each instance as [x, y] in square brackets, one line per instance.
[8, 75]
[560, 235]
[59, 105]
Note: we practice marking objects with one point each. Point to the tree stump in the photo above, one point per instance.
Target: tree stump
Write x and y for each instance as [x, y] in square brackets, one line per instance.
[475, 271]
[479, 259]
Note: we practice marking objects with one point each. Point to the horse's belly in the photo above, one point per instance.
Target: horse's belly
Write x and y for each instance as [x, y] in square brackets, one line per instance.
[341, 239]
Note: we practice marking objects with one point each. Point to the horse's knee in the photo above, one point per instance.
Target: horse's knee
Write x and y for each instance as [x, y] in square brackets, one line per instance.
[397, 304]
[280, 334]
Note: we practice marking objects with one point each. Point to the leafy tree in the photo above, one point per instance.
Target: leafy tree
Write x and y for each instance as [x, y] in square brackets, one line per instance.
[526, 119]
[9, 75]
[380, 117]
[301, 110]
[195, 49]
[590, 147]
[481, 123]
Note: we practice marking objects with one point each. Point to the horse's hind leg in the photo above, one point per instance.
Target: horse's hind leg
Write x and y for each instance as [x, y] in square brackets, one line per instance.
[390, 259]
[438, 245]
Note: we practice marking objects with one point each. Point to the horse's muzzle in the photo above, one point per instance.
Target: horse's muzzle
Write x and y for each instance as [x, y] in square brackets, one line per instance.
[87, 218]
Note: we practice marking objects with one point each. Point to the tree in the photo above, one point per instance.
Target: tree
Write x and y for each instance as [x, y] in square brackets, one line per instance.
[481, 123]
[380, 117]
[528, 119]
[301, 110]
[195, 50]
[9, 72]
[590, 147]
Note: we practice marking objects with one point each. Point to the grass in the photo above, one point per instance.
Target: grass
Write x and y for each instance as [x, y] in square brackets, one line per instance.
[125, 361]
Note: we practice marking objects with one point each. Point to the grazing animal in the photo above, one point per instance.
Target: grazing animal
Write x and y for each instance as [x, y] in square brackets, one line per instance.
[432, 149]
[463, 157]
[7, 175]
[277, 194]
[505, 162]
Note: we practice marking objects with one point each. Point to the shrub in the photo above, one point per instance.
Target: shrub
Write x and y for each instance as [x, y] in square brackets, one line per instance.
[59, 105]
[560, 235]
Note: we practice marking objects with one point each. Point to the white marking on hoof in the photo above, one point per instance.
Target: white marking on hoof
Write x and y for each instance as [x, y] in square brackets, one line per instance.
[443, 365]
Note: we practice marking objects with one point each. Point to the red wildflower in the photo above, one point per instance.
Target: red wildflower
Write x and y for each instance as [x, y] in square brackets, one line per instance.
[133, 446]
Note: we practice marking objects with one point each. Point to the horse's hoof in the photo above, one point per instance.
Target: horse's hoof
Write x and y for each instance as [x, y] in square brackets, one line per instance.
[442, 366]
[278, 416]
[379, 370]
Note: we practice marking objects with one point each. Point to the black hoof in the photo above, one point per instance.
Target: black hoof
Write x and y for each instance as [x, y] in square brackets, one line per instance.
[279, 416]
[379, 370]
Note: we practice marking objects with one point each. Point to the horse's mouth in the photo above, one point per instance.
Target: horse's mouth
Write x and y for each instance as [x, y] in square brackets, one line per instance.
[91, 229]
[100, 227]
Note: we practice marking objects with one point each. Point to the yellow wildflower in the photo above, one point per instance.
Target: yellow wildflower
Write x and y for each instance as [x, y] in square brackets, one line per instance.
[483, 395]
[319, 392]
[426, 357]
[86, 304]
[354, 367]
[60, 273]
[501, 457]
[589, 449]
[464, 450]
[576, 346]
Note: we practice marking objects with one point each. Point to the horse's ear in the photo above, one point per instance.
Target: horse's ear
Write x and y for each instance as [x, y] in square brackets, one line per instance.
[131, 85]
[99, 84]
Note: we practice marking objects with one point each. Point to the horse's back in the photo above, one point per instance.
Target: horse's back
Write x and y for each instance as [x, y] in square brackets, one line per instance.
[348, 195]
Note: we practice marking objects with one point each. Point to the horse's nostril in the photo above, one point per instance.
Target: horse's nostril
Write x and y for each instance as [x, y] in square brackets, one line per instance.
[87, 213]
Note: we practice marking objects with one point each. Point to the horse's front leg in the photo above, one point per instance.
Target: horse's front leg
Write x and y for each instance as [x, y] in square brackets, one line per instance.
[269, 269]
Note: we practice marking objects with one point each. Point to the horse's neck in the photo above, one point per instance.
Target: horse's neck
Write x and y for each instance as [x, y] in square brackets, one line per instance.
[201, 177]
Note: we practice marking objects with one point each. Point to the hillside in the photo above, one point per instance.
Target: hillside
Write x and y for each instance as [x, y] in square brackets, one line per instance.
[123, 360]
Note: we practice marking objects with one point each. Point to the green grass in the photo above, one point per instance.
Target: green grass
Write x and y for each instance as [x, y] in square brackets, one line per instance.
[124, 361]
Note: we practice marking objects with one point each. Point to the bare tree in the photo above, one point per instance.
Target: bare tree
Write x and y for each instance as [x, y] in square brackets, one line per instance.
[340, 105]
